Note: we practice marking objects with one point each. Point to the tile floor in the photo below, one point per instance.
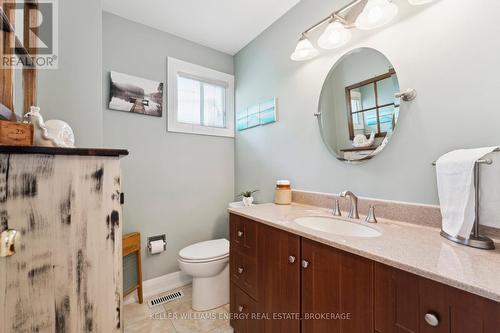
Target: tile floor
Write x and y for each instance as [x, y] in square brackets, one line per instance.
[175, 317]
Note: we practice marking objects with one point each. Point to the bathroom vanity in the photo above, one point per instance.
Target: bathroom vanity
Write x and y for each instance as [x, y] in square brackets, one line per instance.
[61, 222]
[288, 278]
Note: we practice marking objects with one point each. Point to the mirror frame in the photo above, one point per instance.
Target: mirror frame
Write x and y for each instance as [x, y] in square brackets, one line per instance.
[318, 115]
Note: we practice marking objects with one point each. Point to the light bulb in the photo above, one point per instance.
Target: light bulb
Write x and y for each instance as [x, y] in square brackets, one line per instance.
[304, 50]
[419, 2]
[335, 36]
[377, 13]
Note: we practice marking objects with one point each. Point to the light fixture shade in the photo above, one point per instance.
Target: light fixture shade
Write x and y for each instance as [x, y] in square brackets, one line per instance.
[376, 14]
[335, 36]
[419, 2]
[304, 50]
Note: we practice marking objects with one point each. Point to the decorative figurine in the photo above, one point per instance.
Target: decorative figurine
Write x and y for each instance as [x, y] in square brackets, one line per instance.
[360, 140]
[53, 133]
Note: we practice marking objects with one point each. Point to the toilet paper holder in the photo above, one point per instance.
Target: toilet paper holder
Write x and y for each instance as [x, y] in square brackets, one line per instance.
[157, 238]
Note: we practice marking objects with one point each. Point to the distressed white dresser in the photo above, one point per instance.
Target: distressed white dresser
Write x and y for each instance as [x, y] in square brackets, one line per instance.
[64, 271]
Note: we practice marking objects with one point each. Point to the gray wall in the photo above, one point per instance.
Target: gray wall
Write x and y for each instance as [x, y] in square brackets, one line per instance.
[452, 61]
[73, 92]
[178, 184]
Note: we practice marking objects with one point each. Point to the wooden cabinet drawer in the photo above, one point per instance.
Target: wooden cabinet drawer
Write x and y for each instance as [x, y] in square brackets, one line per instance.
[243, 235]
[243, 311]
[244, 272]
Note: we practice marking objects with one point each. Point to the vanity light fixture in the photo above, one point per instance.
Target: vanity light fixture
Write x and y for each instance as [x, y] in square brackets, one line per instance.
[304, 50]
[375, 13]
[336, 35]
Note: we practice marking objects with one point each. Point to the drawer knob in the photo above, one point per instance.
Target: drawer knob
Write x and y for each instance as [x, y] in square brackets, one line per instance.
[240, 270]
[291, 259]
[305, 263]
[241, 308]
[431, 319]
[240, 233]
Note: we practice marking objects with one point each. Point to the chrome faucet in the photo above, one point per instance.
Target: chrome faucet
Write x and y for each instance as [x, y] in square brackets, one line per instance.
[353, 208]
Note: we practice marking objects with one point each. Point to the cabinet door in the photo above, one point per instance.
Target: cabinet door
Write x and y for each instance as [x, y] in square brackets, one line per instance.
[337, 290]
[279, 280]
[470, 313]
[402, 300]
[66, 275]
[396, 301]
[433, 301]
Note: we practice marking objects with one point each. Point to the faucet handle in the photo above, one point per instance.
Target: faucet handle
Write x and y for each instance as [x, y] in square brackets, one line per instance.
[336, 208]
[371, 218]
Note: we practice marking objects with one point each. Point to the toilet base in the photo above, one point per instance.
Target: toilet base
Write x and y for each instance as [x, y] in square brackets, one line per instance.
[211, 292]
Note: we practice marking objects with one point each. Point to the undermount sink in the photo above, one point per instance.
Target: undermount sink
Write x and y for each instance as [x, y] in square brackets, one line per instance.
[337, 227]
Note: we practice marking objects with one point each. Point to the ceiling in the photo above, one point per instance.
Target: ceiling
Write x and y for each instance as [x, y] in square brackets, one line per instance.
[224, 25]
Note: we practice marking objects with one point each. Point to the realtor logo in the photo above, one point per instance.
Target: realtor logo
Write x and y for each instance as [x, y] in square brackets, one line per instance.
[29, 34]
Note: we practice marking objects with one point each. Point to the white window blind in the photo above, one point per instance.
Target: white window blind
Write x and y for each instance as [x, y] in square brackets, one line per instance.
[200, 100]
[201, 103]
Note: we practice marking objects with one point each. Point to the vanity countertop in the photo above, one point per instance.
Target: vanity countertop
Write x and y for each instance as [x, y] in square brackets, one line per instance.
[409, 247]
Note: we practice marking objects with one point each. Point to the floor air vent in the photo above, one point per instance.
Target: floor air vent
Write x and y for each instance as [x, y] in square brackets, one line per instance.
[165, 299]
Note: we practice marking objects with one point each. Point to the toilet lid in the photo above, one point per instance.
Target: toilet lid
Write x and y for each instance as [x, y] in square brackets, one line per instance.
[206, 250]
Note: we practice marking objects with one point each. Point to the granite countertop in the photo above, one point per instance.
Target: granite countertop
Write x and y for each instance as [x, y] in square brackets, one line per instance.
[409, 247]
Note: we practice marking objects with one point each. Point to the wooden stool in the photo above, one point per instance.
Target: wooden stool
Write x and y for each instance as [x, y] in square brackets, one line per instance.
[131, 244]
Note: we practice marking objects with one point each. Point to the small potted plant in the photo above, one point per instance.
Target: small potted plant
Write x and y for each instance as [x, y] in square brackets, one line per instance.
[247, 197]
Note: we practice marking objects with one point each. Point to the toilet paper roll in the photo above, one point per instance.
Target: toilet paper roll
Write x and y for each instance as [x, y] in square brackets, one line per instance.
[157, 246]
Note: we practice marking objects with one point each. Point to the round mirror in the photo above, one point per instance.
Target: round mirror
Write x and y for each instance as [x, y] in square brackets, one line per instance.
[358, 110]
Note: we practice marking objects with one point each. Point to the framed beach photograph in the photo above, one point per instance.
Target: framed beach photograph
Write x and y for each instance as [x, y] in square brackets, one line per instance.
[134, 94]
[256, 115]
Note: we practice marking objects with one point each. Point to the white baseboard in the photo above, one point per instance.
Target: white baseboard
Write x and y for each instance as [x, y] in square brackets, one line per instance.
[159, 285]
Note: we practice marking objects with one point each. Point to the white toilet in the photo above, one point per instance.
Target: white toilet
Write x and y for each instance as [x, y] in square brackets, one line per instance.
[208, 263]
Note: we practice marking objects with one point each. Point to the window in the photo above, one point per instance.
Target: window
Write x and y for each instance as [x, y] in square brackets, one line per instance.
[372, 106]
[200, 100]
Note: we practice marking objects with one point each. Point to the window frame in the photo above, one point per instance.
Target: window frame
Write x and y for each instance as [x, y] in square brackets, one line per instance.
[205, 75]
[377, 107]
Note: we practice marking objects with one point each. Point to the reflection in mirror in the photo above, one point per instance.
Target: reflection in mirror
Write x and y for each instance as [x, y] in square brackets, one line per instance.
[358, 110]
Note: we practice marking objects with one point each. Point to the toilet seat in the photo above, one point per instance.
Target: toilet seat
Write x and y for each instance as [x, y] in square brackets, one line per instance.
[207, 251]
[203, 260]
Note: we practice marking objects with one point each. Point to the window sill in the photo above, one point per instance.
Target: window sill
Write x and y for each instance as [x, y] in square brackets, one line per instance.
[201, 130]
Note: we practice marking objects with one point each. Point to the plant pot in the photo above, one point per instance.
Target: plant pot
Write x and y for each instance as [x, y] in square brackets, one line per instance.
[247, 201]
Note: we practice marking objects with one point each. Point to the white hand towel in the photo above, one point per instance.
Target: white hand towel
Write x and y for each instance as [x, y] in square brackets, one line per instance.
[455, 180]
